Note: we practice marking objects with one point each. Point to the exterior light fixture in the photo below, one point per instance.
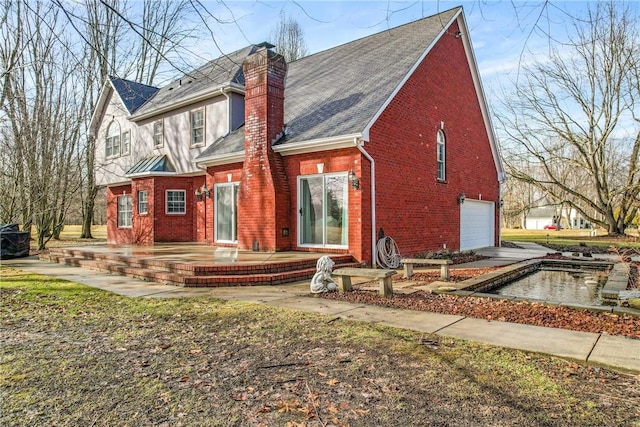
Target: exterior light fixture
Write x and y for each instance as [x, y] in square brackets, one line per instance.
[461, 198]
[202, 193]
[354, 180]
[205, 191]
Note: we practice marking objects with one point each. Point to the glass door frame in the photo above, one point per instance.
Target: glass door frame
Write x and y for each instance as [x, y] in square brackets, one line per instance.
[300, 204]
[235, 185]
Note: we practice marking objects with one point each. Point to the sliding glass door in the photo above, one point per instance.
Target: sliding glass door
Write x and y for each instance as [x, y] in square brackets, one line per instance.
[323, 209]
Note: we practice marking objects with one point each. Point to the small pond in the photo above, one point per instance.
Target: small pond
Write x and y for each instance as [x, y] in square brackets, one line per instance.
[557, 285]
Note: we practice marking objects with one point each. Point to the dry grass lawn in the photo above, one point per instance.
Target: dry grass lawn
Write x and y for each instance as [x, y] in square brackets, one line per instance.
[78, 356]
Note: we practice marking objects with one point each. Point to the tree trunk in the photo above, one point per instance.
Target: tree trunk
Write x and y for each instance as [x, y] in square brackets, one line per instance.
[87, 218]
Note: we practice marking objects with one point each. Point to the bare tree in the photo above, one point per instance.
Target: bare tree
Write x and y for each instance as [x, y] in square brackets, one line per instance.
[40, 107]
[162, 32]
[103, 31]
[50, 84]
[123, 44]
[574, 116]
[519, 197]
[288, 37]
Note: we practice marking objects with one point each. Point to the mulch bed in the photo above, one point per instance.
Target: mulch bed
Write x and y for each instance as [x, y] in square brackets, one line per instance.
[524, 312]
[502, 310]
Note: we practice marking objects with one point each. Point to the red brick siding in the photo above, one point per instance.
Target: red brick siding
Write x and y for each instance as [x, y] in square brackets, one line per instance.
[415, 209]
[412, 207]
[157, 225]
[143, 231]
[264, 195]
[175, 227]
[219, 175]
[335, 161]
[116, 235]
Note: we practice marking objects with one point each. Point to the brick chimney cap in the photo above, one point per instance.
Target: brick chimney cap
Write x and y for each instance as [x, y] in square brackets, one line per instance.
[265, 45]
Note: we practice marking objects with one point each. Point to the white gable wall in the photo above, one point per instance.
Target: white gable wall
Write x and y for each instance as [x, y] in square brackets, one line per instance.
[110, 171]
[177, 138]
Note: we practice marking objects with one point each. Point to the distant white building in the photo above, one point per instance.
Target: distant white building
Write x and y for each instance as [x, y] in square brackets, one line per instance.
[539, 218]
[546, 217]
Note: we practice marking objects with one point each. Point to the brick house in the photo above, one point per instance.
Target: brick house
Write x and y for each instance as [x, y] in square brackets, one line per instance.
[390, 132]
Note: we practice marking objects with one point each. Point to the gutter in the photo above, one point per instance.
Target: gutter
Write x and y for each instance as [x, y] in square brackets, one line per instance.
[320, 144]
[150, 173]
[359, 145]
[224, 159]
[188, 101]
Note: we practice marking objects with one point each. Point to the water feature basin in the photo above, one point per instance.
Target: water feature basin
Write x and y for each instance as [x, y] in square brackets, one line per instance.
[578, 286]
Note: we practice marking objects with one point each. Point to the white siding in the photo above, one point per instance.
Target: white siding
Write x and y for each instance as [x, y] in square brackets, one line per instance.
[177, 138]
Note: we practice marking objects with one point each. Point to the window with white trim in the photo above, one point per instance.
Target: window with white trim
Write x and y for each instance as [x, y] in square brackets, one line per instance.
[143, 206]
[125, 213]
[112, 143]
[197, 127]
[158, 134]
[176, 202]
[126, 143]
[441, 153]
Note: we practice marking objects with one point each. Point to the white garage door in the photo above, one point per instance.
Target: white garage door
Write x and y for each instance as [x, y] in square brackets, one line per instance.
[476, 224]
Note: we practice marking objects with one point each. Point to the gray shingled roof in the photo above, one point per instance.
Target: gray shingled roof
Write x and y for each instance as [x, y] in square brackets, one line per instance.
[339, 91]
[219, 72]
[133, 94]
[228, 144]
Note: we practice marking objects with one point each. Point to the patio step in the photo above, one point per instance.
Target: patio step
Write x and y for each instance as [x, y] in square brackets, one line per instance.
[221, 275]
[193, 269]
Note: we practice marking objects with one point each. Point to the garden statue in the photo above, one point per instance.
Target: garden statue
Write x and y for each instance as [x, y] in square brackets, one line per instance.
[322, 281]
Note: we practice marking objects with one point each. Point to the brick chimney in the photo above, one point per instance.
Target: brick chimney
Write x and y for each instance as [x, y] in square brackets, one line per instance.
[264, 199]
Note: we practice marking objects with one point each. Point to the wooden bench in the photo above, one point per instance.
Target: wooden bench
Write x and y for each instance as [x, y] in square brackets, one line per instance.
[443, 263]
[383, 276]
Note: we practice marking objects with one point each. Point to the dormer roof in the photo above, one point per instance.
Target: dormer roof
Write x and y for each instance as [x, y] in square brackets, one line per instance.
[133, 95]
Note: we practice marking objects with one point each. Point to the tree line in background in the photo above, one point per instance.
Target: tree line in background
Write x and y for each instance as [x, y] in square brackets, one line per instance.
[571, 129]
[55, 58]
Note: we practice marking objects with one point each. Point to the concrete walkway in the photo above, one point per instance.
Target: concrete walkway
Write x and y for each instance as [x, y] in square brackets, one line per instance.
[602, 349]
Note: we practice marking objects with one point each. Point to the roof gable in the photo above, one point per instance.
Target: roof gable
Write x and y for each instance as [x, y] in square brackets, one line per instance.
[340, 90]
[343, 90]
[133, 95]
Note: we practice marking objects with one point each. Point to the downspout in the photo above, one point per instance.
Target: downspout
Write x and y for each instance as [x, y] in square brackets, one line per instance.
[501, 179]
[499, 214]
[358, 142]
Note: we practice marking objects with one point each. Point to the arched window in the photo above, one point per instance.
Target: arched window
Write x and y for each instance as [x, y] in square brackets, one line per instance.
[440, 144]
[112, 144]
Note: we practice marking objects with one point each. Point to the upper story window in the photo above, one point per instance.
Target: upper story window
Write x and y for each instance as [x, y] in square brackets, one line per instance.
[112, 144]
[124, 212]
[143, 205]
[197, 127]
[158, 134]
[176, 202]
[441, 147]
[125, 143]
[117, 143]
